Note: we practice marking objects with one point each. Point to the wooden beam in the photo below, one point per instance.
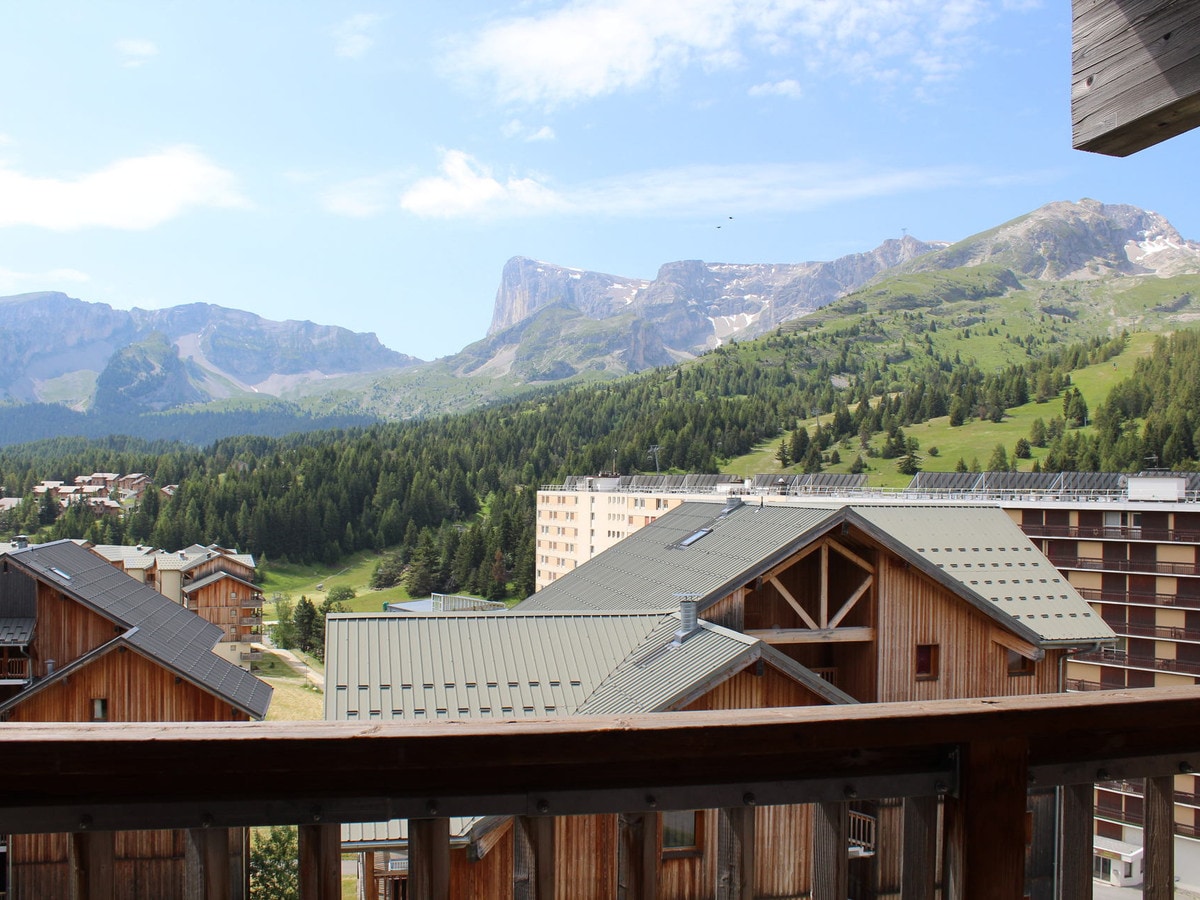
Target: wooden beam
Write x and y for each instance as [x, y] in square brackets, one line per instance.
[793, 603]
[849, 604]
[638, 856]
[109, 776]
[428, 859]
[1135, 73]
[320, 861]
[92, 866]
[918, 872]
[831, 846]
[823, 593]
[735, 853]
[801, 554]
[809, 636]
[1010, 641]
[1158, 839]
[1075, 842]
[851, 555]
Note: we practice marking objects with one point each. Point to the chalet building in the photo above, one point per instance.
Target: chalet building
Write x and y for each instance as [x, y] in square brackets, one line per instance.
[214, 582]
[83, 642]
[1129, 544]
[814, 604]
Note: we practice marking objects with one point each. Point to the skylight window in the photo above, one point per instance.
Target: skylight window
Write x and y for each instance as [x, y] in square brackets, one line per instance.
[694, 536]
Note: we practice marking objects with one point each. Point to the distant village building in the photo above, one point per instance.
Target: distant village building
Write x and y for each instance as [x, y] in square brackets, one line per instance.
[82, 642]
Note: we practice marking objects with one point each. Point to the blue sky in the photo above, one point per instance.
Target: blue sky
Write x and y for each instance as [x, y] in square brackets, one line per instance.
[374, 166]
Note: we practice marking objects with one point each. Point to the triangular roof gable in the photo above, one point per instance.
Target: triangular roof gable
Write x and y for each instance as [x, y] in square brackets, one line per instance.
[216, 577]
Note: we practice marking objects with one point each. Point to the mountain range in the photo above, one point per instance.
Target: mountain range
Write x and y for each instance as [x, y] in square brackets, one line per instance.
[550, 324]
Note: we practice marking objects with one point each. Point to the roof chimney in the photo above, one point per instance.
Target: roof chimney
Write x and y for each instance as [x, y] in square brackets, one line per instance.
[689, 620]
[22, 541]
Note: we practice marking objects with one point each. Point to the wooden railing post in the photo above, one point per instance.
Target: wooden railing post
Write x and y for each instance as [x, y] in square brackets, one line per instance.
[831, 866]
[918, 872]
[540, 831]
[429, 859]
[320, 862]
[92, 862]
[735, 853]
[638, 875]
[990, 823]
[1158, 839]
[1075, 842]
[207, 864]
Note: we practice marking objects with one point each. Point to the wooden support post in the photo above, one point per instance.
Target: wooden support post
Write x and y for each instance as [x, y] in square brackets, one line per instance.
[831, 849]
[540, 831]
[92, 865]
[1158, 839]
[993, 787]
[638, 875]
[429, 859]
[823, 618]
[1077, 810]
[320, 862]
[735, 853]
[369, 888]
[919, 870]
[207, 874]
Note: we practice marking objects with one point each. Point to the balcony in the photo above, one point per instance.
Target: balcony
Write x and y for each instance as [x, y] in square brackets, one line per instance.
[976, 758]
[251, 655]
[1124, 532]
[1149, 567]
[1136, 598]
[1125, 661]
[14, 670]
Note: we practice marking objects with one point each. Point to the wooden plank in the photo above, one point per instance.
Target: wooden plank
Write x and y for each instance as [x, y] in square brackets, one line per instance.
[831, 842]
[809, 636]
[823, 618]
[540, 831]
[92, 866]
[1159, 839]
[428, 859]
[793, 603]
[849, 604]
[919, 869]
[1135, 73]
[638, 876]
[993, 797]
[1075, 842]
[1010, 641]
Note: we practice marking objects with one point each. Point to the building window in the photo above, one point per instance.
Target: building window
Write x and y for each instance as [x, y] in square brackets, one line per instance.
[927, 662]
[100, 709]
[682, 833]
[1018, 664]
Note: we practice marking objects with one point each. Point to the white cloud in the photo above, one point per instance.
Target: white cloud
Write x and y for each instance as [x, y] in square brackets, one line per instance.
[362, 198]
[353, 37]
[131, 194]
[592, 48]
[467, 188]
[135, 52]
[789, 87]
[515, 128]
[14, 282]
[545, 133]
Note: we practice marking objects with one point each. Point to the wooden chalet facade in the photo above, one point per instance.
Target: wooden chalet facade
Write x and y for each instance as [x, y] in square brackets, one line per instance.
[83, 642]
[881, 604]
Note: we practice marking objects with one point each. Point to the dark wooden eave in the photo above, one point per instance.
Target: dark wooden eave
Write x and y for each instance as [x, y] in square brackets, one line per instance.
[1135, 73]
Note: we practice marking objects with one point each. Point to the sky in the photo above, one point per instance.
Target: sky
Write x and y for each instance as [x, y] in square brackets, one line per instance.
[374, 166]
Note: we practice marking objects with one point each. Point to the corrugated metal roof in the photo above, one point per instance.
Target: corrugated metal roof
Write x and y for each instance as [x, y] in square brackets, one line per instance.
[986, 558]
[651, 568]
[158, 627]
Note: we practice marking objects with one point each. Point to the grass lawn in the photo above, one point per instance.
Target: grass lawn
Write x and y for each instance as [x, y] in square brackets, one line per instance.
[354, 572]
[294, 700]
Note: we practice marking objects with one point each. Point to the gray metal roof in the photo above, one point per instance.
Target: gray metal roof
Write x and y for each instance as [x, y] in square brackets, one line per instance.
[468, 666]
[981, 554]
[219, 576]
[16, 631]
[156, 626]
[652, 567]
[990, 562]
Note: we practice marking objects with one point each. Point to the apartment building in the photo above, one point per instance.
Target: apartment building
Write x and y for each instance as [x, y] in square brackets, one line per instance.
[1129, 544]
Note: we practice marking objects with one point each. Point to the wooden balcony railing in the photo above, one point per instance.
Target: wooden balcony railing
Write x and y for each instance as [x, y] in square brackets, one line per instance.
[978, 757]
[14, 668]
